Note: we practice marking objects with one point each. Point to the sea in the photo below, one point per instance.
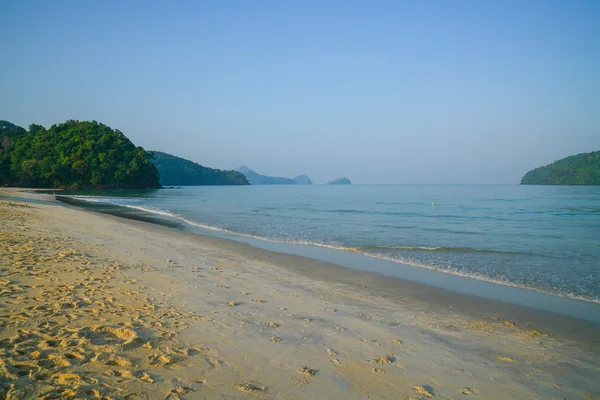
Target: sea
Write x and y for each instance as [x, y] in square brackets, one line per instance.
[541, 239]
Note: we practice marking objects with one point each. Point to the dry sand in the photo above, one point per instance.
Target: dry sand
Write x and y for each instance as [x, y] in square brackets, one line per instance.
[96, 306]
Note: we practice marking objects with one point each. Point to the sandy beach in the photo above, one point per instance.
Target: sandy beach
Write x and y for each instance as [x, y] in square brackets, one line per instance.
[95, 306]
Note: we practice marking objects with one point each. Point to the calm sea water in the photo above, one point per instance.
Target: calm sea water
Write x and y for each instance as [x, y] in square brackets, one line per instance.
[545, 238]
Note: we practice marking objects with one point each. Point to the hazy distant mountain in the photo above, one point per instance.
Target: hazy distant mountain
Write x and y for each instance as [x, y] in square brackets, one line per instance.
[257, 179]
[581, 169]
[303, 180]
[179, 171]
[340, 181]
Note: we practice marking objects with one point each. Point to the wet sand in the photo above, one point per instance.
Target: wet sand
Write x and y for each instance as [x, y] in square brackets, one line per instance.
[97, 306]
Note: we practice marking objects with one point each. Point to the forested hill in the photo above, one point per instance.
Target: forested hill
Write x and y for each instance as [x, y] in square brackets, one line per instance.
[581, 169]
[175, 171]
[73, 155]
[10, 131]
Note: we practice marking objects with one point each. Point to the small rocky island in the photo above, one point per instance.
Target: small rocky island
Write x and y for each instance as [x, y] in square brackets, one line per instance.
[340, 181]
[303, 180]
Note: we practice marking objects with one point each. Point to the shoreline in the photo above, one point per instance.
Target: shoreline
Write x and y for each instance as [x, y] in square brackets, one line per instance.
[436, 328]
[428, 277]
[372, 282]
[387, 286]
[475, 285]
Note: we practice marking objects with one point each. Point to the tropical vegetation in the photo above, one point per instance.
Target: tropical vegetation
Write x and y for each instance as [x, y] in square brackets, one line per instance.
[177, 171]
[581, 169]
[73, 154]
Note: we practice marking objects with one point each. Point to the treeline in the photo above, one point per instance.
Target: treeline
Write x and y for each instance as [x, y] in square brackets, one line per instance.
[581, 169]
[73, 155]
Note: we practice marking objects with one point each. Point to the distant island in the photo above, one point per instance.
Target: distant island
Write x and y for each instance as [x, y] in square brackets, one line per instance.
[340, 181]
[303, 180]
[257, 179]
[74, 154]
[581, 169]
[177, 171]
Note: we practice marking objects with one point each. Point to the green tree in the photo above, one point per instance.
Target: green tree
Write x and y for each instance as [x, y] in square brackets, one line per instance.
[73, 155]
[179, 171]
[581, 169]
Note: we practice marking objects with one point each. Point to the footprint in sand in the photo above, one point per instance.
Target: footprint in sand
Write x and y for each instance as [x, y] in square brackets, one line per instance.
[308, 371]
[249, 387]
[93, 393]
[144, 376]
[388, 359]
[331, 352]
[67, 379]
[273, 325]
[161, 360]
[183, 390]
[216, 363]
[507, 359]
[104, 334]
[233, 303]
[119, 361]
[424, 390]
[275, 339]
[192, 351]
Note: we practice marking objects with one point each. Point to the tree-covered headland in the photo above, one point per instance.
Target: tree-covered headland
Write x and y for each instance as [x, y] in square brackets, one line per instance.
[581, 169]
[73, 154]
[177, 171]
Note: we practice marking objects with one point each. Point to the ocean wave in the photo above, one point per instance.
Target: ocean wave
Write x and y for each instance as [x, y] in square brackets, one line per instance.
[485, 278]
[369, 251]
[104, 200]
[365, 251]
[93, 199]
[442, 249]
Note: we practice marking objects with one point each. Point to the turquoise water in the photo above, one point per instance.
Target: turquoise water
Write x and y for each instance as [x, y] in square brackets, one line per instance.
[543, 238]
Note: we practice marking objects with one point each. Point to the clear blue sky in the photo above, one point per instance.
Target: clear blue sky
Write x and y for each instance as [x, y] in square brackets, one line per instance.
[378, 91]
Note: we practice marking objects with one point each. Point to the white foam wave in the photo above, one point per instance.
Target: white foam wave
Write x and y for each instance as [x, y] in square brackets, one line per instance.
[94, 199]
[366, 253]
[408, 248]
[484, 278]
